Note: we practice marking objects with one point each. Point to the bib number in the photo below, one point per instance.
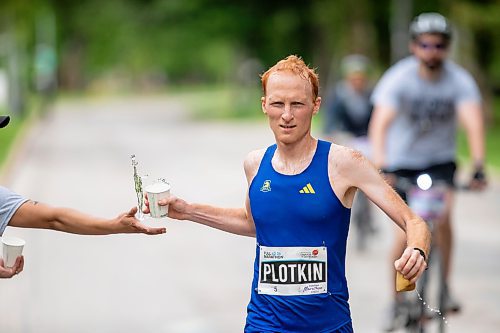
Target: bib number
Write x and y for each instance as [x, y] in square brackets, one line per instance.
[291, 271]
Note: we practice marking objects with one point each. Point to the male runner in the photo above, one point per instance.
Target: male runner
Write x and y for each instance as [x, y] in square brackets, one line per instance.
[16, 211]
[414, 124]
[298, 208]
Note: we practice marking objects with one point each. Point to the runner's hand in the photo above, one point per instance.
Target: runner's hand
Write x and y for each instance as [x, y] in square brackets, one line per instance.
[177, 208]
[411, 264]
[10, 272]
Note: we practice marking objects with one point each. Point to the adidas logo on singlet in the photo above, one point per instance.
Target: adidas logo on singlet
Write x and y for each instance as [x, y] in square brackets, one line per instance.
[307, 189]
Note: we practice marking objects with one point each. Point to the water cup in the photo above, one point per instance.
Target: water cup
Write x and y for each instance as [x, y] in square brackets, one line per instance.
[12, 247]
[156, 191]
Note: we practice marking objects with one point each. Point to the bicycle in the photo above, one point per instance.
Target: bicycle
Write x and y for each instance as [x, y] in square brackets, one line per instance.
[427, 199]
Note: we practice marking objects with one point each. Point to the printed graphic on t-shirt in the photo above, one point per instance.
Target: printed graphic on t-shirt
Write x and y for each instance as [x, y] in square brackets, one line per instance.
[431, 114]
[292, 270]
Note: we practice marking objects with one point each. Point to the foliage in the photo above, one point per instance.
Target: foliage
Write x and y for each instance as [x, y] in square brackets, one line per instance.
[205, 40]
[135, 44]
[7, 137]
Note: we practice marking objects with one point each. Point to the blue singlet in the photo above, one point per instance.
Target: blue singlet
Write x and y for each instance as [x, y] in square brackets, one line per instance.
[299, 211]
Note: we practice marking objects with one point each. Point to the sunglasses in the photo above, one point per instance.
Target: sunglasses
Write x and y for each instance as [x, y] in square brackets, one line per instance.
[430, 46]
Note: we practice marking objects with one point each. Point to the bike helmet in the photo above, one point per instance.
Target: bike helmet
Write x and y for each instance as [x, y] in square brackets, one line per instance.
[430, 23]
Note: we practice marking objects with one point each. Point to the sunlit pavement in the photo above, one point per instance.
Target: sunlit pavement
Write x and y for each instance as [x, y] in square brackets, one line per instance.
[193, 279]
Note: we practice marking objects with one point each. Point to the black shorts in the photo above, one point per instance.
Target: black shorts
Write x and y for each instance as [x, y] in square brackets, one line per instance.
[443, 172]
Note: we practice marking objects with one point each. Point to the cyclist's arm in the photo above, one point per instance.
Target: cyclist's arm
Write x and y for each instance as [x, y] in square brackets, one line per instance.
[471, 118]
[381, 118]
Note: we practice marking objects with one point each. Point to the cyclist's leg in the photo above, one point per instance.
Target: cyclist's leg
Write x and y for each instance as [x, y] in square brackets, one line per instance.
[444, 235]
[366, 217]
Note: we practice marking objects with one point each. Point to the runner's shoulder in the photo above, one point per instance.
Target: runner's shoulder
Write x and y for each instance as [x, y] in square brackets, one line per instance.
[346, 159]
[253, 159]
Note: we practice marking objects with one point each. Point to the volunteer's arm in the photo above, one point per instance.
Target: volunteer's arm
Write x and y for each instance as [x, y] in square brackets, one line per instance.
[33, 214]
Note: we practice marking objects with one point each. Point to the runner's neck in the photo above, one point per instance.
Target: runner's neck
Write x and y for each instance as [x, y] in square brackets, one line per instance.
[292, 160]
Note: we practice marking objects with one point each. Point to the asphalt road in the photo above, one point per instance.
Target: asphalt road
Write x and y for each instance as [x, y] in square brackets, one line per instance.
[192, 279]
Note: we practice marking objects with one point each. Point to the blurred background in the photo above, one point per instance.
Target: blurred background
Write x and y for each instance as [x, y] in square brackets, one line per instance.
[54, 48]
[87, 83]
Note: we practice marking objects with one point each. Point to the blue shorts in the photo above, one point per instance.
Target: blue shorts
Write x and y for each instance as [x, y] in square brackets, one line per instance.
[347, 328]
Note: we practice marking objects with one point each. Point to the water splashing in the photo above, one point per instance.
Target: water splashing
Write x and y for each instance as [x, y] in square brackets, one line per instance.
[433, 310]
[138, 189]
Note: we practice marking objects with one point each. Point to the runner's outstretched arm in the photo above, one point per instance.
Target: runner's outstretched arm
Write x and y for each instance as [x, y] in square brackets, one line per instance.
[233, 220]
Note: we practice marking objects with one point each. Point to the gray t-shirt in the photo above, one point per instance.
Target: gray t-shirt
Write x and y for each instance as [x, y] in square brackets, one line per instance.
[423, 132]
[9, 203]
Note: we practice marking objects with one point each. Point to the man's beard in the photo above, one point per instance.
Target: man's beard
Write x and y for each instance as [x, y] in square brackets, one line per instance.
[433, 65]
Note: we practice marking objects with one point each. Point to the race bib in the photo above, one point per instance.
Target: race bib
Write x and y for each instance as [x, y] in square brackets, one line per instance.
[290, 271]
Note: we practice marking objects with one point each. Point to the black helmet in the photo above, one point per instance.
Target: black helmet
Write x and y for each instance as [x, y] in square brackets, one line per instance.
[430, 23]
[4, 121]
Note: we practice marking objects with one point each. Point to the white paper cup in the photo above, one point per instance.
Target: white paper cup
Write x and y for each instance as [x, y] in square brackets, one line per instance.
[157, 191]
[12, 247]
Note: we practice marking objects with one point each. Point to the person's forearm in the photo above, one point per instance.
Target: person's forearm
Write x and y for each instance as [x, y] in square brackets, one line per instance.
[41, 216]
[418, 234]
[475, 134]
[72, 221]
[377, 135]
[471, 117]
[233, 220]
[378, 146]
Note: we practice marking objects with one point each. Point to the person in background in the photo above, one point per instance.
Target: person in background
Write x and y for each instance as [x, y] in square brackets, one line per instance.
[346, 120]
[418, 103]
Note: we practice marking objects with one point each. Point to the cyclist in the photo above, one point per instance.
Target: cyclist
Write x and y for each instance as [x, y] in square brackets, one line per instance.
[17, 211]
[347, 116]
[297, 206]
[417, 103]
